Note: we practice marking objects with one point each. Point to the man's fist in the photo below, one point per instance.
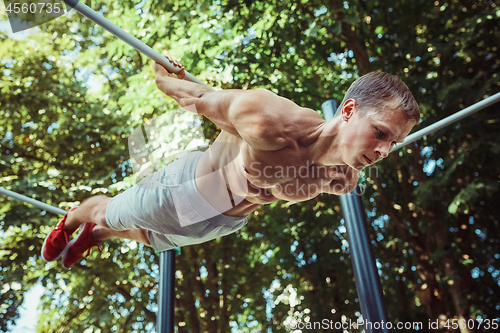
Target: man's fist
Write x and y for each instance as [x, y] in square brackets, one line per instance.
[160, 70]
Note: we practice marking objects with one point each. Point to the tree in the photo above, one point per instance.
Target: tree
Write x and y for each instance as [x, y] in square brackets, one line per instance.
[438, 254]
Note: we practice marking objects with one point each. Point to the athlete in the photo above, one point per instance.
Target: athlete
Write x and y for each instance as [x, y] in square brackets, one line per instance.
[269, 149]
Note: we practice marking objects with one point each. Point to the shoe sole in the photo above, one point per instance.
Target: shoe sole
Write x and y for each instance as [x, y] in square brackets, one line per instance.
[63, 254]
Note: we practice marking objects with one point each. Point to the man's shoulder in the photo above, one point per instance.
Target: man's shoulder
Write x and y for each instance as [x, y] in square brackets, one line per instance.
[273, 122]
[300, 127]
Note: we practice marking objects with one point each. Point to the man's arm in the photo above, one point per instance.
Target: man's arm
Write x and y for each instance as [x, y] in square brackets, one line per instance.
[263, 119]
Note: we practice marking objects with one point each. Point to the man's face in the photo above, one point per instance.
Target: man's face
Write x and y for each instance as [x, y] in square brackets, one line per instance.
[368, 137]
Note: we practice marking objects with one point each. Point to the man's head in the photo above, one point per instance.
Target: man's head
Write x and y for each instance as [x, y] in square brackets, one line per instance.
[382, 92]
[377, 112]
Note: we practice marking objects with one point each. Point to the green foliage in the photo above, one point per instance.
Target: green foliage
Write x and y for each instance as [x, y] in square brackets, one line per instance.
[72, 93]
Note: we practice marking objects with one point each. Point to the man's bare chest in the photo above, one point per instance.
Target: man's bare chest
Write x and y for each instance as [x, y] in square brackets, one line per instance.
[289, 174]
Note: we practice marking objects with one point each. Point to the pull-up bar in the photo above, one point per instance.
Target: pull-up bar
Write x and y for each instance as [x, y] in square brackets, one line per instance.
[167, 325]
[34, 202]
[130, 40]
[449, 120]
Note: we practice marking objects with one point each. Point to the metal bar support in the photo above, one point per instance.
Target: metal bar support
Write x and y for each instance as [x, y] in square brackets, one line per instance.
[366, 275]
[166, 296]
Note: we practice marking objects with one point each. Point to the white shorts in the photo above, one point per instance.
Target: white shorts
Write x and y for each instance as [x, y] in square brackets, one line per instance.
[169, 205]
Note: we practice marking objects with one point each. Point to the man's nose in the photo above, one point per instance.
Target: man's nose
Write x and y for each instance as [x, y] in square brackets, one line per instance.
[384, 150]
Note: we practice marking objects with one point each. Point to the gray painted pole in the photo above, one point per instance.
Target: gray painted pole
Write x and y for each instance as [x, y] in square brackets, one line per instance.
[368, 283]
[130, 40]
[363, 259]
[166, 293]
[34, 202]
[449, 120]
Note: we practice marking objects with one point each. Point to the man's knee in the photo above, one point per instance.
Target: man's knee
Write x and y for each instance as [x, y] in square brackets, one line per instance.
[145, 237]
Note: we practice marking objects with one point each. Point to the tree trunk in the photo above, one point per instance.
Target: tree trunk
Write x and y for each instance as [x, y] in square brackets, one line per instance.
[359, 50]
[455, 282]
[186, 285]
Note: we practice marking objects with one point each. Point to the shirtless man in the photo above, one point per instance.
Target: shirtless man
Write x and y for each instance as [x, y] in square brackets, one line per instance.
[269, 149]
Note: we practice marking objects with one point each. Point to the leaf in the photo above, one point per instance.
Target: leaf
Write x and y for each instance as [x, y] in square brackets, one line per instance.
[312, 30]
[351, 19]
[470, 193]
[337, 28]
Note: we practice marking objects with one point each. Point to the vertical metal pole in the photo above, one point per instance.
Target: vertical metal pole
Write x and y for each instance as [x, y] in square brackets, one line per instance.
[363, 259]
[363, 262]
[166, 293]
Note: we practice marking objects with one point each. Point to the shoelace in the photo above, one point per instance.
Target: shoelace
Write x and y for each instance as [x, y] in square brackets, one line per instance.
[63, 229]
[65, 233]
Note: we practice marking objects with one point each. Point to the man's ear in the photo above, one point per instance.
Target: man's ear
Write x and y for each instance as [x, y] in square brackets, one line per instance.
[348, 109]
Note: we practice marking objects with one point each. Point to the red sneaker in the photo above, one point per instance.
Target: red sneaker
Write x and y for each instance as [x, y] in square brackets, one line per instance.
[84, 242]
[56, 241]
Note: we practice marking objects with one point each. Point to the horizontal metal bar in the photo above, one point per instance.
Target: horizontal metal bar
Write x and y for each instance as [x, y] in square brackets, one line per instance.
[34, 202]
[449, 120]
[127, 38]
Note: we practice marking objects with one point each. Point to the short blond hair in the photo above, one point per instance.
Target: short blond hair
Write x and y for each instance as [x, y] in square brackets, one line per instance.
[377, 91]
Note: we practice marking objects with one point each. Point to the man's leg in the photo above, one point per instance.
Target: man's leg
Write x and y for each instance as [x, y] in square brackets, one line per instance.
[92, 214]
[94, 210]
[91, 210]
[141, 235]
